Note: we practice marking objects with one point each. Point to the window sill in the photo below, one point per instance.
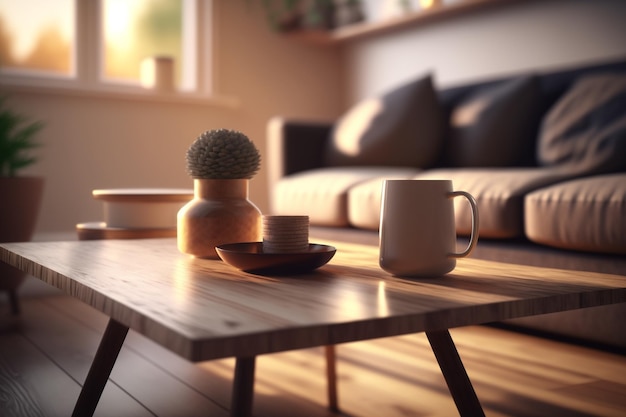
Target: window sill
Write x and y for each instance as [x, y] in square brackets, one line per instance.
[131, 93]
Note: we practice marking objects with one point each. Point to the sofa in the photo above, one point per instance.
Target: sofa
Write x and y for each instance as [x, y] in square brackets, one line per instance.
[543, 153]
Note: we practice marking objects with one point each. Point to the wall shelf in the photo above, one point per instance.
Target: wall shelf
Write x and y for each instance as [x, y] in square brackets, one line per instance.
[410, 19]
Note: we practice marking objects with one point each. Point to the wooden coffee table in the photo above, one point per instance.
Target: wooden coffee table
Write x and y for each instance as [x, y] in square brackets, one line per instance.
[206, 309]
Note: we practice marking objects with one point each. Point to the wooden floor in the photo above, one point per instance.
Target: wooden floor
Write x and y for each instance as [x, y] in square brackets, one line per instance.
[45, 354]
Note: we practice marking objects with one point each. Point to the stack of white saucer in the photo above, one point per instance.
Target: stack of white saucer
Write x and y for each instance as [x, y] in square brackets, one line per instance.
[285, 234]
[136, 213]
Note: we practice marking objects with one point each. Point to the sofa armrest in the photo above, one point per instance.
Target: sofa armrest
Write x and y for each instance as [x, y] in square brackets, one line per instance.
[294, 146]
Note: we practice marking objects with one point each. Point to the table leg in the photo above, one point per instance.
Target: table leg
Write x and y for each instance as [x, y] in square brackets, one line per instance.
[331, 377]
[454, 373]
[243, 387]
[100, 370]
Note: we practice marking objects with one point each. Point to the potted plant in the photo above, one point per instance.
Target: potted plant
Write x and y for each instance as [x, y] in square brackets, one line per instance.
[20, 196]
[221, 163]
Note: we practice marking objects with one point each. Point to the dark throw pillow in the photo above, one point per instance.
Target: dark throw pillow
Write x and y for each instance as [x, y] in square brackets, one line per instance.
[496, 126]
[403, 127]
[586, 128]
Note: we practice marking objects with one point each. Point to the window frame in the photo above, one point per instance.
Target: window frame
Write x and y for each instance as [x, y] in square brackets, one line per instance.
[88, 59]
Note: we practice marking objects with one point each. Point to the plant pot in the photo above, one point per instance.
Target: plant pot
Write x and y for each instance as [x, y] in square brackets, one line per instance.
[219, 213]
[19, 208]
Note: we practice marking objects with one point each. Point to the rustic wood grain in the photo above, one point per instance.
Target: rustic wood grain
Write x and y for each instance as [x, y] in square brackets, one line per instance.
[146, 381]
[17, 394]
[205, 309]
[34, 386]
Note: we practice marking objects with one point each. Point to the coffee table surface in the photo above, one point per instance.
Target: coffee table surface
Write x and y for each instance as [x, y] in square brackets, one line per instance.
[205, 309]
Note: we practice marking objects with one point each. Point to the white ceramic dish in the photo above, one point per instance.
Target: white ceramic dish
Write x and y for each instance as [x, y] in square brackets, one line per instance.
[141, 208]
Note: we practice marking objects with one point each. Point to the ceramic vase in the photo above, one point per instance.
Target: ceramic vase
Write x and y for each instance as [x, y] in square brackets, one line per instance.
[219, 213]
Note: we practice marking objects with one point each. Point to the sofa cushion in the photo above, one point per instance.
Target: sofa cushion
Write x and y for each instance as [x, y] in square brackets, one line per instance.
[364, 198]
[587, 214]
[321, 193]
[586, 128]
[495, 126]
[401, 128]
[499, 193]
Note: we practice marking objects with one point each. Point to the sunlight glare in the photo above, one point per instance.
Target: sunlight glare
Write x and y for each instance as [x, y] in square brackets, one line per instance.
[468, 114]
[26, 19]
[356, 124]
[118, 19]
[383, 307]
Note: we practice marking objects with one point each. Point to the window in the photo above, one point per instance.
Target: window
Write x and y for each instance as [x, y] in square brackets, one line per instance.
[135, 30]
[105, 44]
[38, 36]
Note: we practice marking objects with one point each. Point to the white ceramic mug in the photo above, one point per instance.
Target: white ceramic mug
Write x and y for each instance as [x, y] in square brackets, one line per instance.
[417, 227]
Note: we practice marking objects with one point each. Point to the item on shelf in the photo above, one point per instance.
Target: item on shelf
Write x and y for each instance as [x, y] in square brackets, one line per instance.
[157, 73]
[348, 12]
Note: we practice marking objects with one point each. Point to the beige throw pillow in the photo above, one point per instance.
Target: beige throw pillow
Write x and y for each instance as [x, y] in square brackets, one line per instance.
[403, 127]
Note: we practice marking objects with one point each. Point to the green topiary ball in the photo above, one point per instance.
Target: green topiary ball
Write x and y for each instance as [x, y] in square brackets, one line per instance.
[223, 154]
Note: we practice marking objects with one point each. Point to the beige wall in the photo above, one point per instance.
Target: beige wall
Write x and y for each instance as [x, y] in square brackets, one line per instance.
[95, 142]
[505, 39]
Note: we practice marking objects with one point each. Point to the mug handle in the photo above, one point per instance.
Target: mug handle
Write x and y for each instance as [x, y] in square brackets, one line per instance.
[474, 235]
